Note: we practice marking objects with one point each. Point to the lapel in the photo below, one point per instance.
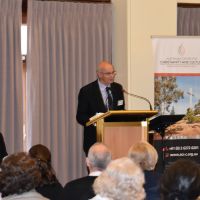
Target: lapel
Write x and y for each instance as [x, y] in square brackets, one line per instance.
[114, 94]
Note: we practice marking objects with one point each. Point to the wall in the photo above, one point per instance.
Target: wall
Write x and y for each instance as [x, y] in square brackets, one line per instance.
[120, 43]
[135, 21]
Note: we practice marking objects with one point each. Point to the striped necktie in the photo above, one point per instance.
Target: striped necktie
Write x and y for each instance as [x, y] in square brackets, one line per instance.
[109, 98]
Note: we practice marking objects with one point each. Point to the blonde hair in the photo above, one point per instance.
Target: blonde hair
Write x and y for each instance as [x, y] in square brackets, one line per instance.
[122, 179]
[144, 154]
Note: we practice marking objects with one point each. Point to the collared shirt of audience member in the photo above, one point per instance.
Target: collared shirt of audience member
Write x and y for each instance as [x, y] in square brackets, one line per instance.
[49, 185]
[121, 180]
[181, 181]
[99, 156]
[146, 156]
[93, 99]
[19, 176]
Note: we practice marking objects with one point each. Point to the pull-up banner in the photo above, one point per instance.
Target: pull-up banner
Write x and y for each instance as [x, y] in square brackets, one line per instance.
[177, 74]
[170, 150]
[178, 56]
[181, 149]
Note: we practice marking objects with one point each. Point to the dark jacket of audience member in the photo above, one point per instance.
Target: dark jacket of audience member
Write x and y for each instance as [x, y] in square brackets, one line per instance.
[19, 176]
[3, 151]
[151, 186]
[146, 156]
[49, 185]
[181, 181]
[99, 156]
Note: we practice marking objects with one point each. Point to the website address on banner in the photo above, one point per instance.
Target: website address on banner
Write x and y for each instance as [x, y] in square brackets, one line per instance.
[183, 154]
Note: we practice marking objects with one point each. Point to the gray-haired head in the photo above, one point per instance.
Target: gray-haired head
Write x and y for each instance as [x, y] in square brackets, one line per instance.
[99, 156]
[122, 179]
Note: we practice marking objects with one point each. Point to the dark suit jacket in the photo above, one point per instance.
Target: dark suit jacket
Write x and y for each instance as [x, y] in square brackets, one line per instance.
[51, 191]
[79, 189]
[151, 186]
[3, 151]
[90, 102]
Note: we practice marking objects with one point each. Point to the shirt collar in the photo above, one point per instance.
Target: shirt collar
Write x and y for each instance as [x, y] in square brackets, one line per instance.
[102, 86]
[96, 173]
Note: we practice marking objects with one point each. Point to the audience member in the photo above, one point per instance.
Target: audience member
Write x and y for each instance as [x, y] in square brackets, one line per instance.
[49, 186]
[122, 180]
[3, 151]
[19, 176]
[81, 189]
[181, 181]
[146, 156]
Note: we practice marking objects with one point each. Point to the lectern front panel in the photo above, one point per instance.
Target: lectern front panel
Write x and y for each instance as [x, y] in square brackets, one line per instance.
[120, 136]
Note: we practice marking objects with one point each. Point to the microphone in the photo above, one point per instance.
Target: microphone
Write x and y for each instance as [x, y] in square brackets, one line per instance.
[139, 97]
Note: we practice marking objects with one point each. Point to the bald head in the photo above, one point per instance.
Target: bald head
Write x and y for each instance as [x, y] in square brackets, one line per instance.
[106, 72]
[99, 156]
[104, 65]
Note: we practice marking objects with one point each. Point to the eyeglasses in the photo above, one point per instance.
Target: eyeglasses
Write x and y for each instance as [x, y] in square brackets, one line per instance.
[109, 73]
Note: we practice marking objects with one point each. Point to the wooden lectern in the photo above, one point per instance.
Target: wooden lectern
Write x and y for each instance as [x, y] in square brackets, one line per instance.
[119, 129]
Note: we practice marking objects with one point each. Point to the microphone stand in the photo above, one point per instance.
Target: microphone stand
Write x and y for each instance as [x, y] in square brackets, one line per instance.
[139, 97]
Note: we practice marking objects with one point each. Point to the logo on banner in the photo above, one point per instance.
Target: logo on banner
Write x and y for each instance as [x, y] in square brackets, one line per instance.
[181, 50]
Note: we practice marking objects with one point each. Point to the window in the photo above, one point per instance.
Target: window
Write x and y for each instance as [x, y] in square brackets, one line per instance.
[24, 53]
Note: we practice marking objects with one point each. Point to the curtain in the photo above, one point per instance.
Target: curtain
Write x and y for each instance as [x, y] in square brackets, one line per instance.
[188, 21]
[11, 103]
[65, 42]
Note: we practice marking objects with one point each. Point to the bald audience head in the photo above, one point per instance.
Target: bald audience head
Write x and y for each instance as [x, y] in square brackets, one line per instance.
[99, 156]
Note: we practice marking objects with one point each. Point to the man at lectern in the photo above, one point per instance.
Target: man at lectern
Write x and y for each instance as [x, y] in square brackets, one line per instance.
[98, 97]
